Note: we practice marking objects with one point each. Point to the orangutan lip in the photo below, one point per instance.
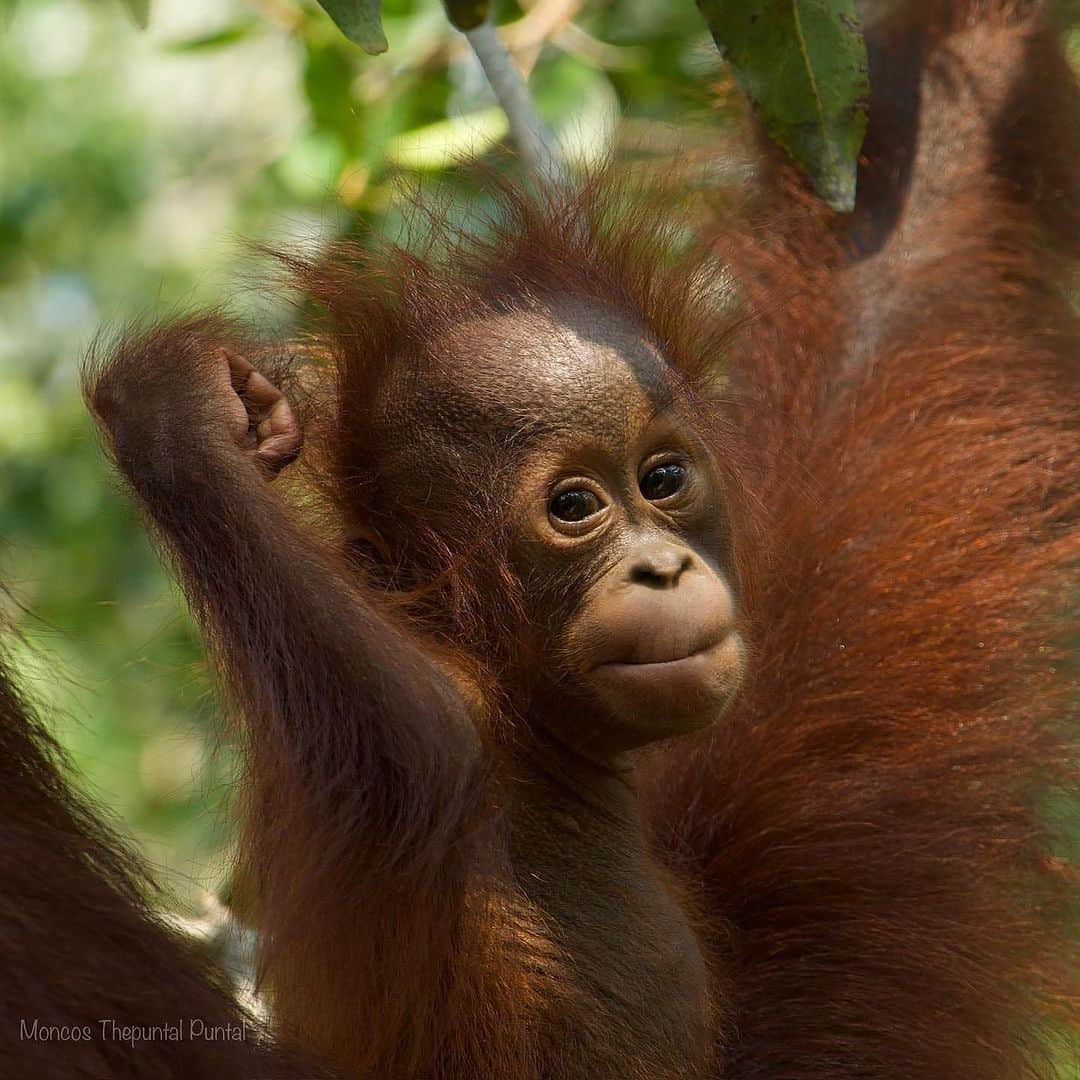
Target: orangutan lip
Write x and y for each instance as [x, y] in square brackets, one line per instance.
[665, 665]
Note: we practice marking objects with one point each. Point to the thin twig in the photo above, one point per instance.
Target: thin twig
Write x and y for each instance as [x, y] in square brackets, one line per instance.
[534, 141]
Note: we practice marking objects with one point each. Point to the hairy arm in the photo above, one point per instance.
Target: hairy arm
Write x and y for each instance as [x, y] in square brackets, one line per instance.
[365, 769]
[342, 691]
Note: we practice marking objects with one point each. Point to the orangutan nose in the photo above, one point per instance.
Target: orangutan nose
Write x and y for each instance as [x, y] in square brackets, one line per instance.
[658, 565]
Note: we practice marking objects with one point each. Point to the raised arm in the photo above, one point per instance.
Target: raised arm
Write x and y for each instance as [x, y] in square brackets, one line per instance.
[364, 776]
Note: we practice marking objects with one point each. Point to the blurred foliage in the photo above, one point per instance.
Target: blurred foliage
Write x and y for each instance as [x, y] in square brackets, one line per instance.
[132, 164]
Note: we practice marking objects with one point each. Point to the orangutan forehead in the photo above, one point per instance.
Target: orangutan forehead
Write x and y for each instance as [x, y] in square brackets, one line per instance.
[571, 366]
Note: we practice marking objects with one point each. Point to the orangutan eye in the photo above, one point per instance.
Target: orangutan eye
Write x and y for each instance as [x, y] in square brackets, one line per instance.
[575, 505]
[663, 481]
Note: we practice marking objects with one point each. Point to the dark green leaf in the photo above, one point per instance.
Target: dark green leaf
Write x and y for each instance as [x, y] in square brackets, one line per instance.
[803, 65]
[467, 14]
[217, 40]
[140, 11]
[359, 21]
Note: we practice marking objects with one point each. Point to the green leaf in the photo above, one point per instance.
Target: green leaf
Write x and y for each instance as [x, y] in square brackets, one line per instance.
[359, 21]
[803, 65]
[467, 14]
[140, 11]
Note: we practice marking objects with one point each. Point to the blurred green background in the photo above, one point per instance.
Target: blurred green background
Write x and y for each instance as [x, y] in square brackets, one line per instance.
[132, 165]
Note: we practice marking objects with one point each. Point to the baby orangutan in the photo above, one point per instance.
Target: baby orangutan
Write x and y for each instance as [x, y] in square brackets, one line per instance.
[571, 510]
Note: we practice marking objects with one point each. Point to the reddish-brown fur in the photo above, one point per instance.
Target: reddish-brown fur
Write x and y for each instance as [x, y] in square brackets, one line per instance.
[81, 945]
[863, 839]
[869, 824]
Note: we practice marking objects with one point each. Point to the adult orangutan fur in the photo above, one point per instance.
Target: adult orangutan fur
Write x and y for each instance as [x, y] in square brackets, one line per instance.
[465, 865]
[88, 971]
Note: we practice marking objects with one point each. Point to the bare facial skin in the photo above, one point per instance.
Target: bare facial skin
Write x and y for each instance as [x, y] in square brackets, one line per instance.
[619, 529]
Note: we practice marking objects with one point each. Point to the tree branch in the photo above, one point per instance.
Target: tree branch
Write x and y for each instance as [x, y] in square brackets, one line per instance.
[534, 141]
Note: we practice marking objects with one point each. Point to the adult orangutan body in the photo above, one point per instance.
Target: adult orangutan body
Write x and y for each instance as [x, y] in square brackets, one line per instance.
[558, 545]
